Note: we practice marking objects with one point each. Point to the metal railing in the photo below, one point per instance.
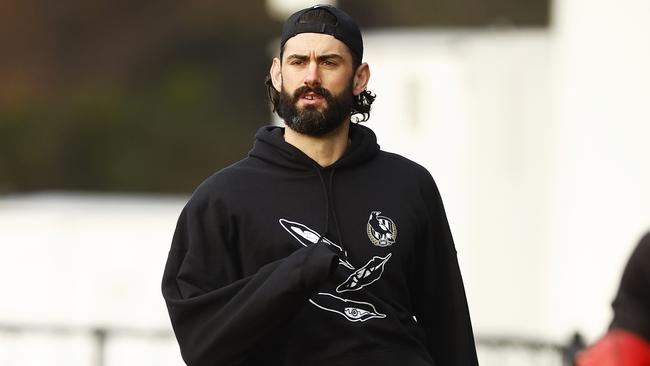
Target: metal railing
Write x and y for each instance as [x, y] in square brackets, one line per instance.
[501, 350]
[98, 335]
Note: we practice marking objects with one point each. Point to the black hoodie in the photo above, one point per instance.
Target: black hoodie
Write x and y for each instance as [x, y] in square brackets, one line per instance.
[277, 261]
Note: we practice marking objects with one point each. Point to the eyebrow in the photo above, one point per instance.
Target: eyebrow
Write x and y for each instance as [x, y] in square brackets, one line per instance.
[319, 58]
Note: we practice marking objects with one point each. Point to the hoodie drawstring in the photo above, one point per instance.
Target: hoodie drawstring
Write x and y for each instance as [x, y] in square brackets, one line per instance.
[323, 231]
[328, 192]
[336, 221]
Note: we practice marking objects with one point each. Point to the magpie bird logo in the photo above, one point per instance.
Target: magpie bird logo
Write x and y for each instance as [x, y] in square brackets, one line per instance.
[381, 230]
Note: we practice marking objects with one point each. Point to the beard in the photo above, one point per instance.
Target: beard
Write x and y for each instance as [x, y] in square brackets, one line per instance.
[309, 120]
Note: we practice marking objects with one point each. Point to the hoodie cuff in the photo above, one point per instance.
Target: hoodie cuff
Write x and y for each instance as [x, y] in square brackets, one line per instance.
[318, 266]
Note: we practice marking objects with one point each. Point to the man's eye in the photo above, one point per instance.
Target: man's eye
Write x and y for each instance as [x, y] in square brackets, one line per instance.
[328, 63]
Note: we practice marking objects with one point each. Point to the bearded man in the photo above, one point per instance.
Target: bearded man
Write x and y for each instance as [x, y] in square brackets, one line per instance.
[318, 248]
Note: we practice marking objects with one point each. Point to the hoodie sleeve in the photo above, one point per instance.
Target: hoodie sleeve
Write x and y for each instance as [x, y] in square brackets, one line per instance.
[439, 297]
[218, 315]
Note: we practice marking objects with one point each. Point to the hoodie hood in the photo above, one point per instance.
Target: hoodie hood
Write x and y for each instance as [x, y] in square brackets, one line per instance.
[271, 147]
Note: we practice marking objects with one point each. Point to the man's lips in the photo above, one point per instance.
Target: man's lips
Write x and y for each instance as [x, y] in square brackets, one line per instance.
[311, 98]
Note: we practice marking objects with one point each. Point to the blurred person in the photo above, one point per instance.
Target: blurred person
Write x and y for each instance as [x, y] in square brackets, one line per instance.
[627, 342]
[318, 248]
[569, 352]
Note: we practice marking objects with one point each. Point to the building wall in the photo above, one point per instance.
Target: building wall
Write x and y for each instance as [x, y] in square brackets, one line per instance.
[599, 203]
[538, 141]
[474, 108]
[73, 264]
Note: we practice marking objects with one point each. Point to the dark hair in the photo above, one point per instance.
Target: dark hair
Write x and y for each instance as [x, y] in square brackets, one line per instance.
[362, 102]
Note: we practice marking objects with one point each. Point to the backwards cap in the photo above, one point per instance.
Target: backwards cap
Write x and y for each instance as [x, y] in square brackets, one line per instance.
[345, 29]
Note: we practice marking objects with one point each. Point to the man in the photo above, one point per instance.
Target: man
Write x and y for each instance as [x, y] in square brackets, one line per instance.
[627, 343]
[318, 248]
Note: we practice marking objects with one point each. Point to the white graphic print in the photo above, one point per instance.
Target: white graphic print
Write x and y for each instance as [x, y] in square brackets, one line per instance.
[354, 311]
[381, 230]
[365, 275]
[307, 236]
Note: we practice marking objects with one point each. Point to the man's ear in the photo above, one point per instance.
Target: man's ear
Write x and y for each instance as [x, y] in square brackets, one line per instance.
[361, 77]
[276, 74]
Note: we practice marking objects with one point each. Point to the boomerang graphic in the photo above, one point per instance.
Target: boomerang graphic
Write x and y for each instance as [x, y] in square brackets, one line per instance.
[307, 236]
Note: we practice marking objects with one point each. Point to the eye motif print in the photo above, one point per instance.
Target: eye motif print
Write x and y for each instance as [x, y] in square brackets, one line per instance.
[354, 311]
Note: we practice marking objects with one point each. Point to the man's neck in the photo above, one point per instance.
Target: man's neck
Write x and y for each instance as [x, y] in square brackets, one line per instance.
[326, 149]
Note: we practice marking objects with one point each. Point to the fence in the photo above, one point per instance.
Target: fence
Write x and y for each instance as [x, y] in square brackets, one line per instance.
[45, 345]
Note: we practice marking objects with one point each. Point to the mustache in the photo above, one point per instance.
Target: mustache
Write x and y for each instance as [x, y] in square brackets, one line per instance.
[316, 89]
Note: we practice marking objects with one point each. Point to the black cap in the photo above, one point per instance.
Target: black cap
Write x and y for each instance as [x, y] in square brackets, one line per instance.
[345, 29]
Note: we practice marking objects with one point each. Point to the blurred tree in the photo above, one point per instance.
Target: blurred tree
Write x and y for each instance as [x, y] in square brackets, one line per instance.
[154, 95]
[119, 95]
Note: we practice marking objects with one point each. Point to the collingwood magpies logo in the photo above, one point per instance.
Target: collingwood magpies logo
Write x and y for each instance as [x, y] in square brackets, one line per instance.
[382, 231]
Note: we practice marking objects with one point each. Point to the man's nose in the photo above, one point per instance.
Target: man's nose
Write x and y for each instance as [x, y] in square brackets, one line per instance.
[312, 78]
